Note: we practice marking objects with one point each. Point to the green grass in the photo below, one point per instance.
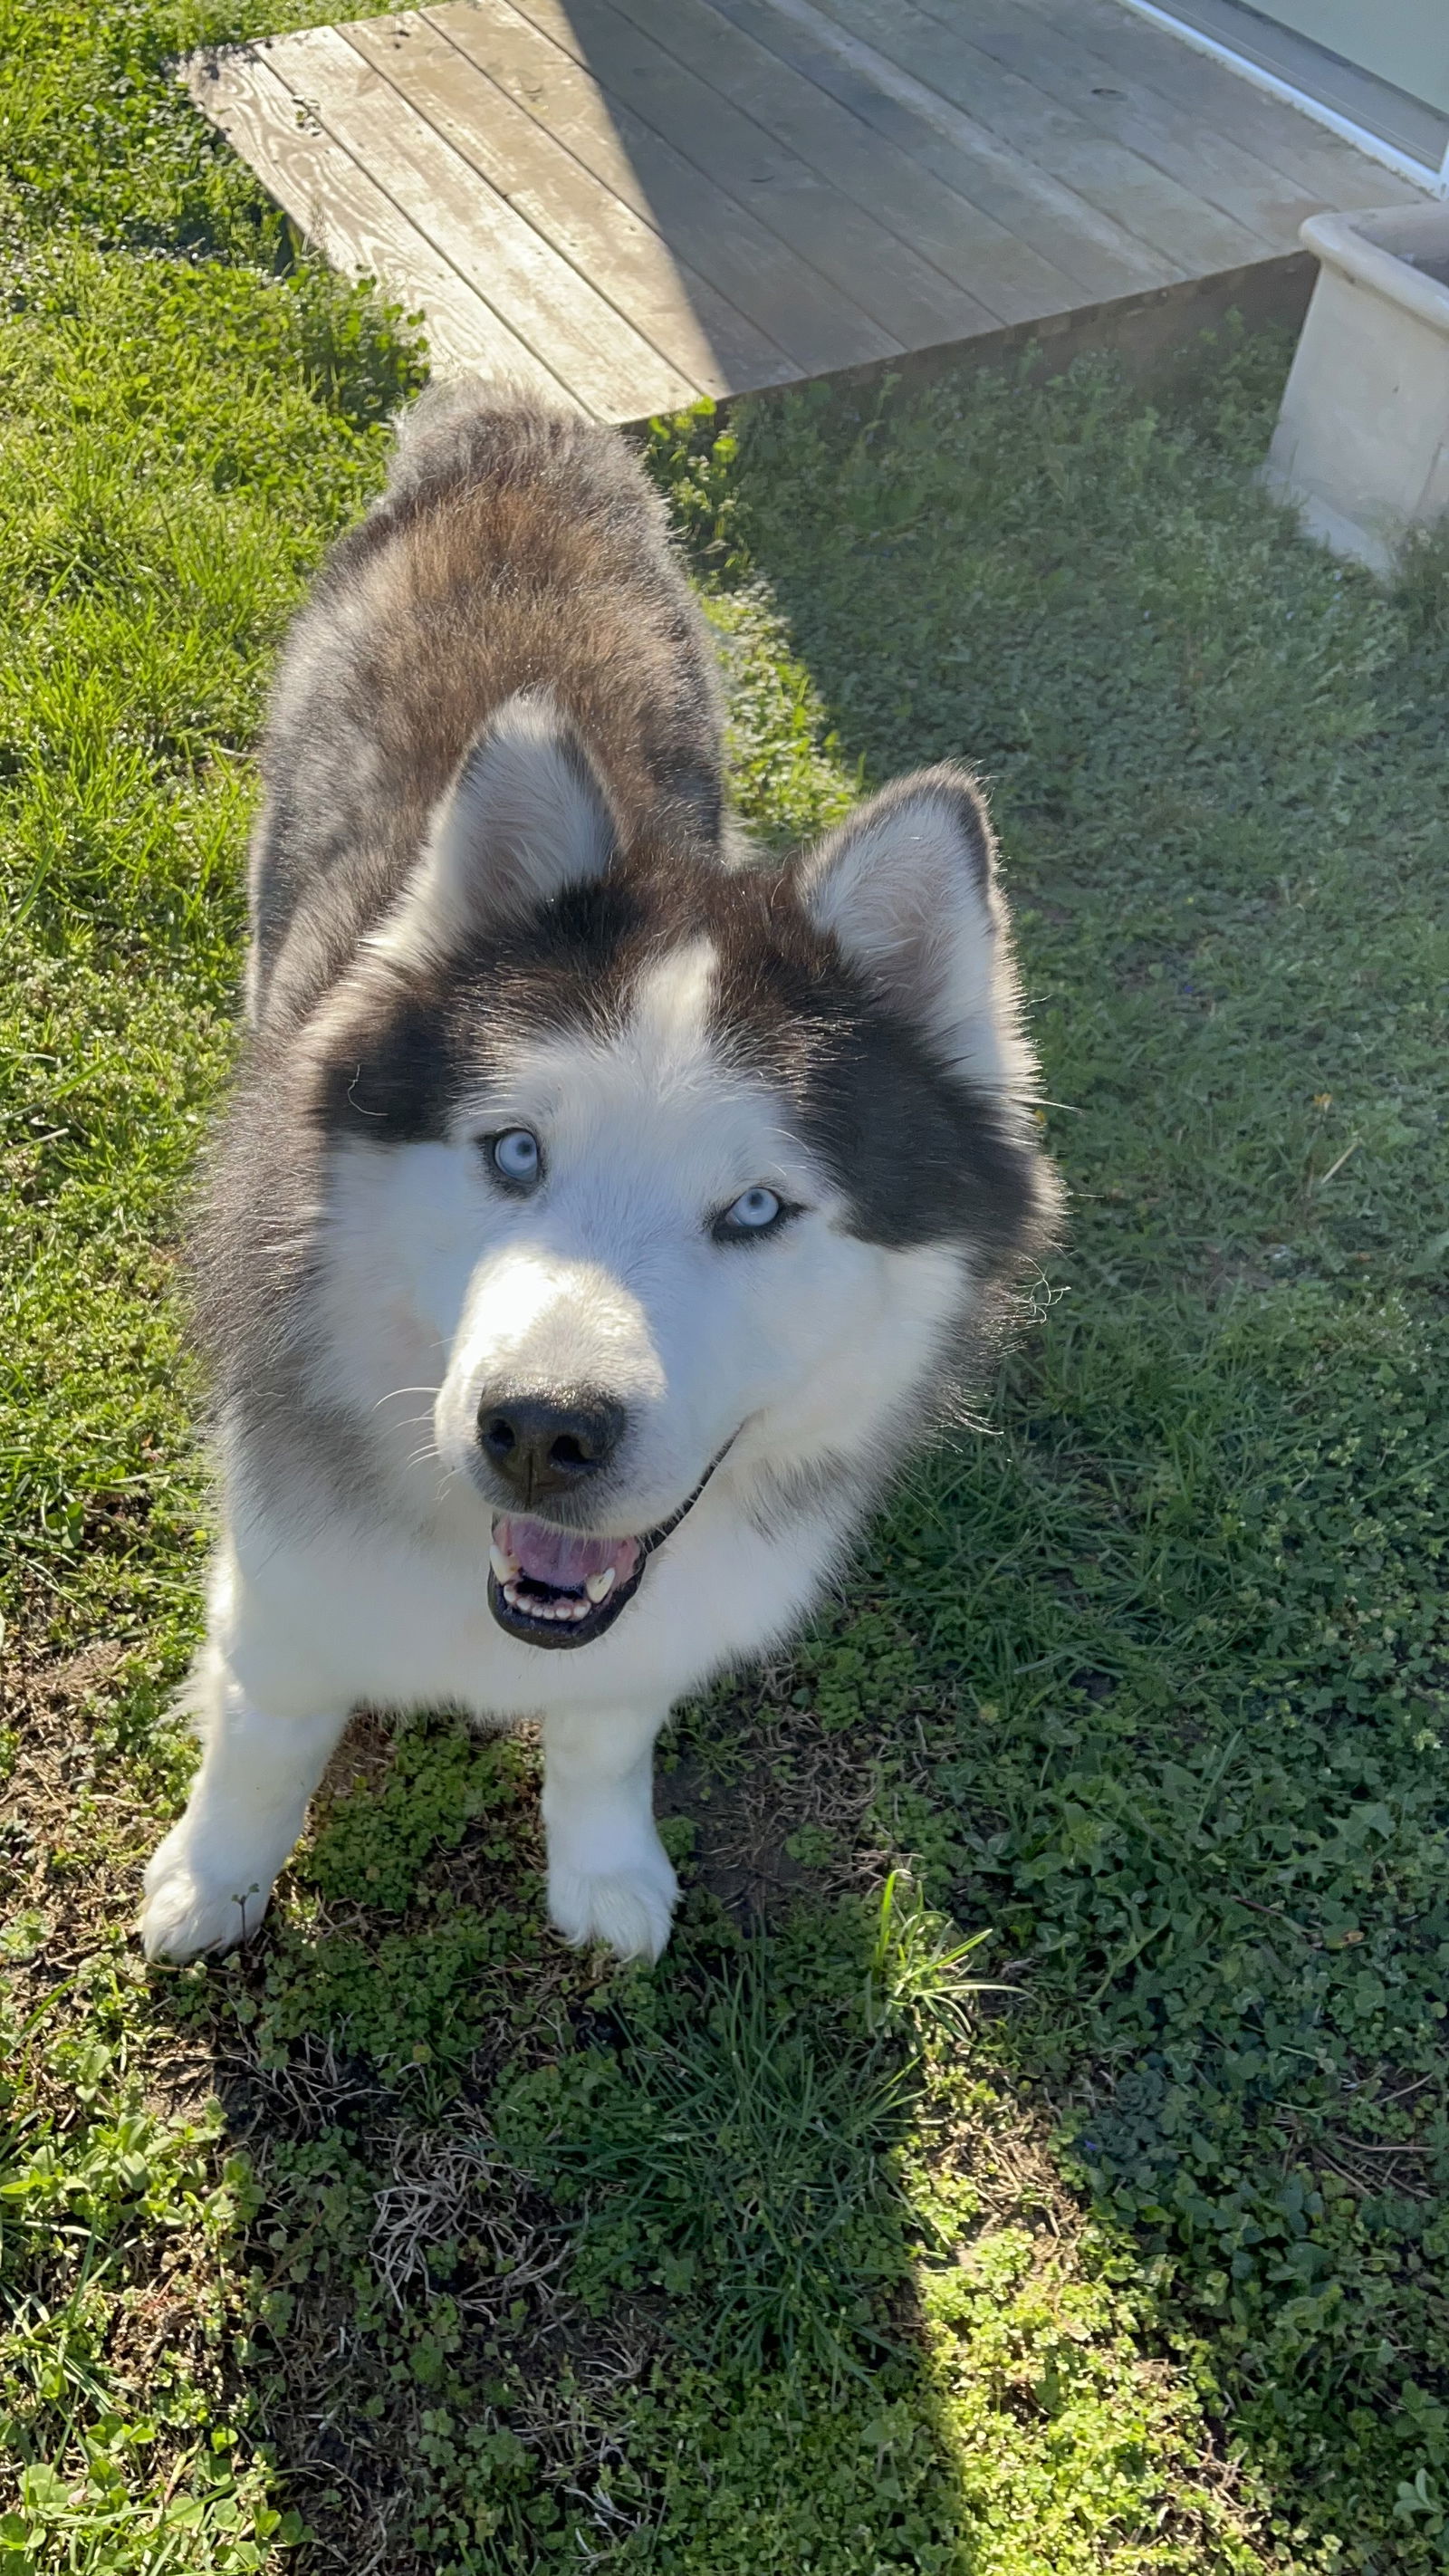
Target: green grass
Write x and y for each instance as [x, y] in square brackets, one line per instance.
[1027, 2160]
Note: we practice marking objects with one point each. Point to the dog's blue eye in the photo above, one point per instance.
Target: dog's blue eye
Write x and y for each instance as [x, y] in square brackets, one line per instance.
[757, 1207]
[516, 1156]
[753, 1212]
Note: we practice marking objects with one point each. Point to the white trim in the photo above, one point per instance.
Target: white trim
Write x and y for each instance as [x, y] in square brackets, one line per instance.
[1372, 145]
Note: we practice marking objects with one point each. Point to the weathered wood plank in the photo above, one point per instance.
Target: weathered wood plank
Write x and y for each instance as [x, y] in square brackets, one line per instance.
[918, 304]
[1040, 44]
[621, 203]
[677, 311]
[544, 302]
[1208, 91]
[805, 315]
[1172, 219]
[1008, 277]
[353, 223]
[1099, 255]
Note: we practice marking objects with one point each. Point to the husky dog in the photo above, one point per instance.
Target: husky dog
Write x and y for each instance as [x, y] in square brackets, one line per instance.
[603, 1211]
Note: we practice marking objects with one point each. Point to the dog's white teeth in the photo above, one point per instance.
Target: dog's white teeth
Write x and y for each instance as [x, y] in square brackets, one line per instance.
[533, 1608]
[599, 1586]
[505, 1567]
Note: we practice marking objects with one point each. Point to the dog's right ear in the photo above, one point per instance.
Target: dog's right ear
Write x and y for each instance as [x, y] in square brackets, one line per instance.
[525, 817]
[907, 888]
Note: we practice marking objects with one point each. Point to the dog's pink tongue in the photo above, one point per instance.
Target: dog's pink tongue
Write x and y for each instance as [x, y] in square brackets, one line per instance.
[556, 1557]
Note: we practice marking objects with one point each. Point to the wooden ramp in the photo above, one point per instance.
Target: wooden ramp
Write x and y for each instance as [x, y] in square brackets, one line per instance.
[630, 203]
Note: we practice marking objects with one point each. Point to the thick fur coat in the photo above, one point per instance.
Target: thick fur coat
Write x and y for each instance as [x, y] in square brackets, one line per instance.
[603, 1212]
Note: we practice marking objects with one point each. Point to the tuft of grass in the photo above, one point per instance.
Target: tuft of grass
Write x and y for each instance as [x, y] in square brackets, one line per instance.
[730, 2162]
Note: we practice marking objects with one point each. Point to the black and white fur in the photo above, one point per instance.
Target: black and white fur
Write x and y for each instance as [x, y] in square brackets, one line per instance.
[494, 895]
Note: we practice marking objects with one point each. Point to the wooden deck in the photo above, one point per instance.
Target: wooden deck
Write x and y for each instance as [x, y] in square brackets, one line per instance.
[633, 202]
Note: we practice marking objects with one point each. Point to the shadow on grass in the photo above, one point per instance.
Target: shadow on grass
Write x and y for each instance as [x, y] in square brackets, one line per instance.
[745, 2264]
[1195, 1772]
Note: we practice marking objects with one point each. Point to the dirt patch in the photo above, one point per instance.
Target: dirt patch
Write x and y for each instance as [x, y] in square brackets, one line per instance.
[778, 1810]
[742, 1828]
[63, 1827]
[362, 1760]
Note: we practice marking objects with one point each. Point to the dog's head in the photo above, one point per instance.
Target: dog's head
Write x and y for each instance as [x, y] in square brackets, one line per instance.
[641, 1163]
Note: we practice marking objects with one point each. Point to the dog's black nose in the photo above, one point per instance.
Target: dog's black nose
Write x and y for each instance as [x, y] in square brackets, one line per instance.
[543, 1444]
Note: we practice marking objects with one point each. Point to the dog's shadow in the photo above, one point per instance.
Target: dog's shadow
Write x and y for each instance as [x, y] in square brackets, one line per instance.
[518, 2231]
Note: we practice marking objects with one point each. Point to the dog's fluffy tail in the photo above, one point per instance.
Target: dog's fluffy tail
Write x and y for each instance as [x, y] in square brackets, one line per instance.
[472, 428]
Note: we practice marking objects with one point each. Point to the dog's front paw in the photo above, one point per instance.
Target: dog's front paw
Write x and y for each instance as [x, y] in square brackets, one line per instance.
[193, 1906]
[629, 1909]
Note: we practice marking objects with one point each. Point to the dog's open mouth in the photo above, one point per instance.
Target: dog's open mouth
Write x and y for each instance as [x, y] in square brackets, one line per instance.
[556, 1588]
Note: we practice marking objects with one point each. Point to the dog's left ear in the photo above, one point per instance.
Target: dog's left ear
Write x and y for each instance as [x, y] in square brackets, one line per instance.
[908, 890]
[525, 816]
